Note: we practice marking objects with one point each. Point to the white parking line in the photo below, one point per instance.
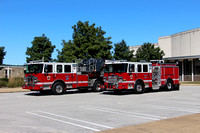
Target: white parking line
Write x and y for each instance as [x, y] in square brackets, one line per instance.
[114, 111]
[76, 119]
[177, 109]
[169, 108]
[93, 129]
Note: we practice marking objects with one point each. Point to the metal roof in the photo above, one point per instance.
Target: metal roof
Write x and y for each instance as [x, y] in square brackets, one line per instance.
[182, 57]
[12, 66]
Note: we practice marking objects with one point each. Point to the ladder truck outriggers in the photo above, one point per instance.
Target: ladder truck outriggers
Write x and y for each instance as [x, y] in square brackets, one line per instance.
[58, 77]
[139, 76]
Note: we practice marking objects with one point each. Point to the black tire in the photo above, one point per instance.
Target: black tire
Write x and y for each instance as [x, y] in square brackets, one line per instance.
[58, 88]
[139, 88]
[96, 86]
[177, 87]
[169, 85]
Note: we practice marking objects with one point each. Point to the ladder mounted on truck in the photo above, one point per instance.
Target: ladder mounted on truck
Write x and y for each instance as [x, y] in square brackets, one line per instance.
[93, 67]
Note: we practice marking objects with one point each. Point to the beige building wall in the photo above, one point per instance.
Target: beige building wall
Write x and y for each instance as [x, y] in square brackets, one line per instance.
[135, 48]
[165, 44]
[195, 42]
[181, 44]
[12, 72]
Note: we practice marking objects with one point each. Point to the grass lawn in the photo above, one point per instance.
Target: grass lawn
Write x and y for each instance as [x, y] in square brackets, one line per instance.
[189, 82]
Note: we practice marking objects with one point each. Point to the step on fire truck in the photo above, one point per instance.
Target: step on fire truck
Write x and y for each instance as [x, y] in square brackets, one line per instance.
[58, 77]
[139, 76]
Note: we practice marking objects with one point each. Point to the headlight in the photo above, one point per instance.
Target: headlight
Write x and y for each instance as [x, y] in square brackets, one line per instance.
[25, 79]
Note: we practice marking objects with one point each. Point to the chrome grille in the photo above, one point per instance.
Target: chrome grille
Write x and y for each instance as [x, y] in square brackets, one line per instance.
[31, 80]
[112, 80]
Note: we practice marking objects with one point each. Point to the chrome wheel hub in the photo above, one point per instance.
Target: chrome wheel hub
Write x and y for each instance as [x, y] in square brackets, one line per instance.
[59, 89]
[139, 88]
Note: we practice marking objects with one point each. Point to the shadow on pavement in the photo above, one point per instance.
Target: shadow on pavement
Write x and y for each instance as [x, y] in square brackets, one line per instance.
[49, 93]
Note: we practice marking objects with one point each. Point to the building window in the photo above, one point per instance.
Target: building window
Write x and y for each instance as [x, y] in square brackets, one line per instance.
[180, 68]
[196, 67]
[187, 67]
[6, 73]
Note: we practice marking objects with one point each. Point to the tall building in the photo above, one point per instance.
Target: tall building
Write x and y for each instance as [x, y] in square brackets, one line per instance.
[182, 48]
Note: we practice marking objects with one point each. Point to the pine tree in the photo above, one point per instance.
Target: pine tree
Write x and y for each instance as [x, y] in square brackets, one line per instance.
[41, 48]
[122, 51]
[88, 42]
[148, 52]
[2, 54]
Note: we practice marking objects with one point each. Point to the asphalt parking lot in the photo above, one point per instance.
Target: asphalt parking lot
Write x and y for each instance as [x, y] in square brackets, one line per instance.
[76, 112]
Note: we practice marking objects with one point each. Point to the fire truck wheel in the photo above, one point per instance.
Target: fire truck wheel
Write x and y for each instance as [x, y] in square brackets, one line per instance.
[58, 88]
[96, 86]
[169, 85]
[139, 88]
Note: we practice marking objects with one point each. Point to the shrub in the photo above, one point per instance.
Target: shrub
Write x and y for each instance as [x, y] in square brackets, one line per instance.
[4, 79]
[3, 83]
[15, 82]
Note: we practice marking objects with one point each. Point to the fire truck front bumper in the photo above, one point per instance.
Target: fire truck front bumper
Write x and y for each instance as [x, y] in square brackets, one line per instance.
[33, 88]
[114, 87]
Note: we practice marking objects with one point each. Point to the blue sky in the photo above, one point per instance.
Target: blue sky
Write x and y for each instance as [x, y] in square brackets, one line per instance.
[135, 21]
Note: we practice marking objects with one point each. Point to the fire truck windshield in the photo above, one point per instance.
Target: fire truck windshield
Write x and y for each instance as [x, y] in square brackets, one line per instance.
[34, 68]
[116, 68]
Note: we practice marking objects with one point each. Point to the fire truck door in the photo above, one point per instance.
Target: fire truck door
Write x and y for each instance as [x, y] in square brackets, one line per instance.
[156, 78]
[48, 76]
[70, 77]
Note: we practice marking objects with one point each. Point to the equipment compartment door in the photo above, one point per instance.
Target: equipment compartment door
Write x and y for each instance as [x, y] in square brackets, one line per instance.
[156, 77]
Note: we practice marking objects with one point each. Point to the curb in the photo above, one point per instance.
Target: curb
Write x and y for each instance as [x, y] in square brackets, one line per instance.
[12, 90]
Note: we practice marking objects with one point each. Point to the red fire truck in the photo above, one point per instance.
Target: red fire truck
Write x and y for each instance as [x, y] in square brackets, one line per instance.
[58, 77]
[139, 76]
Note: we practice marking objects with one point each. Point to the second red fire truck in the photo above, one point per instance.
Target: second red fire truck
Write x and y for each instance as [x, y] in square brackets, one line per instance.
[138, 76]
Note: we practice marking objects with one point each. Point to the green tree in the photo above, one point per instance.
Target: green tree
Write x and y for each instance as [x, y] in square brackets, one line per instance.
[41, 47]
[2, 54]
[148, 52]
[88, 42]
[122, 51]
[68, 52]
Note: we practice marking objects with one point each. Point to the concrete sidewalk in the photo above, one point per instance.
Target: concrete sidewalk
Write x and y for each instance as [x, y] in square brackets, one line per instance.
[185, 124]
[11, 90]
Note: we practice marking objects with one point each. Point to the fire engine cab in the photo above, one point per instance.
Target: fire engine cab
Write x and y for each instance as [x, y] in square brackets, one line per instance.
[57, 77]
[139, 76]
